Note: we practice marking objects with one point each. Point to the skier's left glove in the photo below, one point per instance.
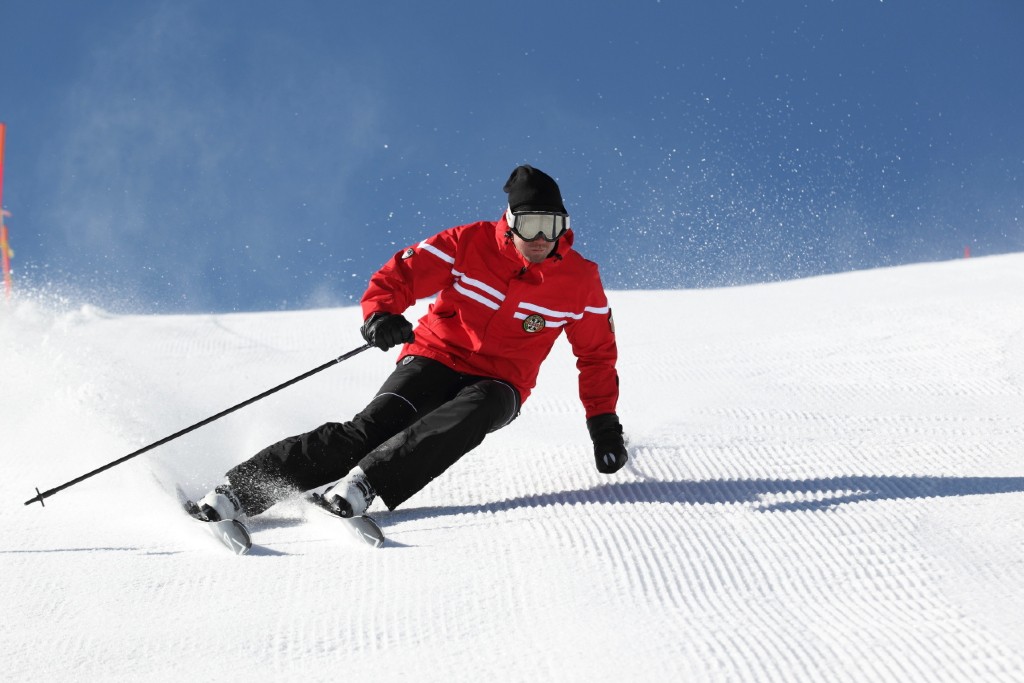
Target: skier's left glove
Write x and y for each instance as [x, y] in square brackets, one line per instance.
[609, 446]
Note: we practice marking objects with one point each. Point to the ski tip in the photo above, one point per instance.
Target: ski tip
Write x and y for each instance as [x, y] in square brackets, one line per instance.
[242, 533]
[232, 534]
[366, 529]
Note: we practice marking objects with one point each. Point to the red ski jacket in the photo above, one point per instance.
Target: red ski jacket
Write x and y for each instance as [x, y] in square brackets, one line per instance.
[498, 315]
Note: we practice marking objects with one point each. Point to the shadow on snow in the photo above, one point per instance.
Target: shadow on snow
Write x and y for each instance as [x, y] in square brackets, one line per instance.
[765, 495]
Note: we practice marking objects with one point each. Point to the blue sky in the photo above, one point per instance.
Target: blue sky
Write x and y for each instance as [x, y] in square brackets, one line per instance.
[216, 156]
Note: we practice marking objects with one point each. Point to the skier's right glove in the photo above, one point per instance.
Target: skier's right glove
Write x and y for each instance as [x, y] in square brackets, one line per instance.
[609, 446]
[386, 330]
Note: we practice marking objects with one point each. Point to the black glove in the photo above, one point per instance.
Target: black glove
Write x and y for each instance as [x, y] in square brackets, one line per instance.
[609, 446]
[385, 330]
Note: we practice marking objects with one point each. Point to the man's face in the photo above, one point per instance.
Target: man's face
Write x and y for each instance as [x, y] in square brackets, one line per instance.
[535, 251]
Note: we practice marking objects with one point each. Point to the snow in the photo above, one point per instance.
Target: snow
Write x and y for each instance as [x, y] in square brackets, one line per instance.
[826, 484]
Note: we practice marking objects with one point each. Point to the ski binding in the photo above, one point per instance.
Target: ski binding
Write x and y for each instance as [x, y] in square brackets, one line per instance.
[362, 527]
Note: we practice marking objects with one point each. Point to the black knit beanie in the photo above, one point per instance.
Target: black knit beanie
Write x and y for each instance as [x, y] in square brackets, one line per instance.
[530, 189]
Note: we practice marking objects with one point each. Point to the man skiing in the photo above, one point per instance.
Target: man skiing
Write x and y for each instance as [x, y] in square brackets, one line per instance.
[505, 291]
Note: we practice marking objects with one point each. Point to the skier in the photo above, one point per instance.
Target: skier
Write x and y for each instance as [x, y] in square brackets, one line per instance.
[505, 291]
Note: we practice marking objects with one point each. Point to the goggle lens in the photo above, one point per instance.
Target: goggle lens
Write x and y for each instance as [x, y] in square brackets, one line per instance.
[532, 225]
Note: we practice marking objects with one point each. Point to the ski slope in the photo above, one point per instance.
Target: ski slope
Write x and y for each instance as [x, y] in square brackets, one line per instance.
[827, 484]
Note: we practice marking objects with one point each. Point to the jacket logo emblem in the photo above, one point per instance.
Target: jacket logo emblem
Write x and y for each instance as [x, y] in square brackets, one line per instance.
[533, 323]
[409, 253]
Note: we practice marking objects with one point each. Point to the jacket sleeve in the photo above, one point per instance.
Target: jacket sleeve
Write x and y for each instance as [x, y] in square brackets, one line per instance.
[419, 271]
[593, 342]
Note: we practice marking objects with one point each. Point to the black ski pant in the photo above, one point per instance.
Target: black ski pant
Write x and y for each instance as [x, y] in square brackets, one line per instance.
[424, 418]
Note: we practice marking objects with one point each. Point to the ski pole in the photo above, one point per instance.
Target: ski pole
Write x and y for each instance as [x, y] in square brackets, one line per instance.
[40, 497]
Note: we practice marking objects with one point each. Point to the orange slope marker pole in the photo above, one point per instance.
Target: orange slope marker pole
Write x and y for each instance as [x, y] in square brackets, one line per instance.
[5, 250]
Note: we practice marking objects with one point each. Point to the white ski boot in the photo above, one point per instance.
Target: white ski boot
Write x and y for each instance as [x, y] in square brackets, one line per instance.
[220, 504]
[218, 511]
[351, 496]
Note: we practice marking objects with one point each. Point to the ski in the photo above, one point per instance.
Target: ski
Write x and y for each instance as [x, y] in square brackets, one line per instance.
[363, 528]
[234, 535]
[231, 533]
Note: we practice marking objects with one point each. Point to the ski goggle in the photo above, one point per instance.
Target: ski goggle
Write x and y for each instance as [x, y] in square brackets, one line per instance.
[532, 225]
